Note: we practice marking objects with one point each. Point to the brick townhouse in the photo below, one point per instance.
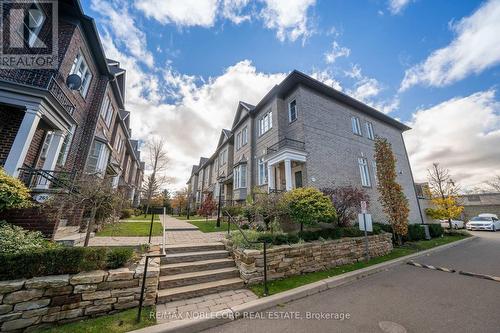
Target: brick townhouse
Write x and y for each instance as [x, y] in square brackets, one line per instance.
[302, 133]
[49, 131]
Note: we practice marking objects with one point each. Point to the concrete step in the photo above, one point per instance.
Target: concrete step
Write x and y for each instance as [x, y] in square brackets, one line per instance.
[65, 231]
[184, 248]
[194, 256]
[73, 240]
[187, 279]
[173, 294]
[196, 266]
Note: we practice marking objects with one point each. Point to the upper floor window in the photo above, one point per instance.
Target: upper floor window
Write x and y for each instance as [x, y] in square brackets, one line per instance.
[356, 127]
[244, 136]
[238, 141]
[119, 144]
[98, 158]
[369, 131]
[81, 68]
[262, 172]
[222, 157]
[374, 170]
[107, 110]
[266, 123]
[363, 170]
[292, 111]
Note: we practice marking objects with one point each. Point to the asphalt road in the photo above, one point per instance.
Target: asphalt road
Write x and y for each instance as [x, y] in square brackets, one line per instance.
[402, 299]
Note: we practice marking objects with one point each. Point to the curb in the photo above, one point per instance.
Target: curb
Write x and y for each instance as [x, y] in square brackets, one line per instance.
[238, 311]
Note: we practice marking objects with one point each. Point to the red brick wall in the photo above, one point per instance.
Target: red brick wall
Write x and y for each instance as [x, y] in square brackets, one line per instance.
[10, 120]
[34, 218]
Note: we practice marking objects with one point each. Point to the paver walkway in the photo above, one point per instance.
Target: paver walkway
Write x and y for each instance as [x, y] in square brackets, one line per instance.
[175, 236]
[201, 307]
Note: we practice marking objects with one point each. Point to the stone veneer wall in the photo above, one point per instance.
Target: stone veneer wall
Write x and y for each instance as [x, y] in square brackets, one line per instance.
[295, 259]
[43, 301]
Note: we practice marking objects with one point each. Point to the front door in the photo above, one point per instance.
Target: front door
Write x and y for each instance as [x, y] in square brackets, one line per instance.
[298, 179]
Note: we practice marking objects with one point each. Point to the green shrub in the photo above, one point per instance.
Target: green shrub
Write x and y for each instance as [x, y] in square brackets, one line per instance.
[352, 232]
[234, 210]
[415, 232]
[14, 239]
[13, 193]
[240, 242]
[308, 206]
[327, 233]
[436, 230]
[60, 260]
[126, 213]
[118, 257]
[245, 226]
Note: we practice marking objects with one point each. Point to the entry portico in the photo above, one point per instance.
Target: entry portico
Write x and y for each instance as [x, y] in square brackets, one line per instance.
[282, 166]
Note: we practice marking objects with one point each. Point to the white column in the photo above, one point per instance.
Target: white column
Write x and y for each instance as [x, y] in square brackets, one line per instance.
[22, 141]
[288, 174]
[270, 178]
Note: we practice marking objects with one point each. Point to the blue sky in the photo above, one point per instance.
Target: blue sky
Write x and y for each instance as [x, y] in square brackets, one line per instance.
[432, 64]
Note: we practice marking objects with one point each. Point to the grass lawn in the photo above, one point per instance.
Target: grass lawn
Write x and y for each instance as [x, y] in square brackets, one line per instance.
[116, 323]
[211, 225]
[130, 229]
[191, 217]
[300, 280]
[142, 218]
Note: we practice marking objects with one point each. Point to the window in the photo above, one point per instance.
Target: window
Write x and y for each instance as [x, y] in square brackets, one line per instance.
[46, 144]
[222, 157]
[107, 110]
[262, 172]
[292, 111]
[119, 145]
[369, 131]
[238, 141]
[363, 170]
[63, 154]
[240, 176]
[266, 123]
[244, 136]
[98, 158]
[81, 69]
[356, 127]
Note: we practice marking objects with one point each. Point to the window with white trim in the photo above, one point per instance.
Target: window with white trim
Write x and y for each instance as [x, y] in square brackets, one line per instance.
[107, 110]
[266, 123]
[292, 111]
[363, 170]
[238, 141]
[356, 127]
[262, 171]
[81, 68]
[222, 157]
[63, 153]
[46, 144]
[369, 131]
[98, 158]
[244, 136]
[240, 176]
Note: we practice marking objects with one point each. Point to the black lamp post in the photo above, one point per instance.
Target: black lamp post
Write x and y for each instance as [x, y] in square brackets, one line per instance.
[220, 200]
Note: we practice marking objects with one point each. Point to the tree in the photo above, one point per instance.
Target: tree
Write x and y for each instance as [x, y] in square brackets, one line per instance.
[347, 202]
[166, 200]
[392, 198]
[308, 206]
[443, 192]
[208, 206]
[179, 201]
[267, 205]
[157, 163]
[494, 183]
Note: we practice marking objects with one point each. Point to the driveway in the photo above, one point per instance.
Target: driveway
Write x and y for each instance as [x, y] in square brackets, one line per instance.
[402, 299]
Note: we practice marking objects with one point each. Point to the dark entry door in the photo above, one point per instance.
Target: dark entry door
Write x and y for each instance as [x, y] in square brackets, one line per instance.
[298, 179]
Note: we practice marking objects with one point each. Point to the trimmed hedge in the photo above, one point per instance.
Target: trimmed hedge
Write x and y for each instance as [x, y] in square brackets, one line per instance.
[436, 230]
[415, 232]
[61, 260]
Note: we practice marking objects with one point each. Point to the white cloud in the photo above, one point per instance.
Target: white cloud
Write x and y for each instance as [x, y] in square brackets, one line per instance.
[124, 29]
[232, 10]
[397, 6]
[327, 78]
[475, 48]
[462, 134]
[366, 88]
[335, 52]
[354, 72]
[182, 13]
[290, 18]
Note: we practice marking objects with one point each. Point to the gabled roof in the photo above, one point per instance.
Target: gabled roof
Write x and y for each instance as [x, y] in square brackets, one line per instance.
[242, 107]
[224, 136]
[203, 160]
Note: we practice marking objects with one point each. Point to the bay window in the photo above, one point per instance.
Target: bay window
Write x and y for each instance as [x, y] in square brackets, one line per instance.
[98, 158]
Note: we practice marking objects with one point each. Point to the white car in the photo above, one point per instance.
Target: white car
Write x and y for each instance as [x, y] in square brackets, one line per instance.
[456, 224]
[484, 222]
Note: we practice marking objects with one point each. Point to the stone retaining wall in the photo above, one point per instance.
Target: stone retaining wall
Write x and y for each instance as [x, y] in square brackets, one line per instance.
[44, 301]
[295, 259]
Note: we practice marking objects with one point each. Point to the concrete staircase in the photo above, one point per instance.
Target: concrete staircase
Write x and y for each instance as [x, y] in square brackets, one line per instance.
[190, 271]
[69, 236]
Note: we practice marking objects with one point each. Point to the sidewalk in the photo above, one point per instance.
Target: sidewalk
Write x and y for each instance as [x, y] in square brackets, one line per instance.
[180, 232]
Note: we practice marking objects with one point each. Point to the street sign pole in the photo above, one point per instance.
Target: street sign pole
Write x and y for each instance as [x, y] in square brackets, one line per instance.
[366, 238]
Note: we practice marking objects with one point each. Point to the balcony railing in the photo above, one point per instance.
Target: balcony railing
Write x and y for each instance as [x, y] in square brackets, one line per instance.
[40, 79]
[285, 143]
